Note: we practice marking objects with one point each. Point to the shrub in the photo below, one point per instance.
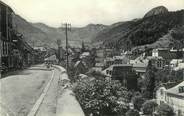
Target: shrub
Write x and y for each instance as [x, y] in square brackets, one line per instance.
[149, 107]
[132, 112]
[138, 101]
[101, 97]
[165, 110]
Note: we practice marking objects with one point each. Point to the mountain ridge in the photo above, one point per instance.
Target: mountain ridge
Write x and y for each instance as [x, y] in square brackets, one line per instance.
[146, 30]
[40, 34]
[126, 34]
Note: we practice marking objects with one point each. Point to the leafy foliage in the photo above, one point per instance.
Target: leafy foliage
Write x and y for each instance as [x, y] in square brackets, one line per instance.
[132, 112]
[149, 107]
[149, 81]
[101, 97]
[152, 28]
[164, 76]
[165, 110]
[138, 102]
[143, 31]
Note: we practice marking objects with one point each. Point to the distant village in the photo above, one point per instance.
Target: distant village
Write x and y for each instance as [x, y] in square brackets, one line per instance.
[130, 67]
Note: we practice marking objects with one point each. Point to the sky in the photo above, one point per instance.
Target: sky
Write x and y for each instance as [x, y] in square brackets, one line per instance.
[83, 12]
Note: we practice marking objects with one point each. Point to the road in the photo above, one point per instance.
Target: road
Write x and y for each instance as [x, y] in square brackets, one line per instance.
[22, 90]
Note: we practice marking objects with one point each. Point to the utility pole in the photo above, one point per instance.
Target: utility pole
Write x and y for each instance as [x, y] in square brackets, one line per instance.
[67, 27]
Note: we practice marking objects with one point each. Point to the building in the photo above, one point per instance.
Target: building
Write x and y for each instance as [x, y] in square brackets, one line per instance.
[61, 54]
[167, 54]
[140, 69]
[84, 55]
[100, 55]
[15, 51]
[108, 52]
[6, 27]
[126, 74]
[41, 53]
[108, 61]
[40, 48]
[173, 96]
[51, 59]
[99, 66]
[108, 71]
[158, 62]
[175, 63]
[80, 67]
[0, 54]
[23, 54]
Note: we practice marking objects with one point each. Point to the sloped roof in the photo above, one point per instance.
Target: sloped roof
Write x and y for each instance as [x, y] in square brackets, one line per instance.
[78, 62]
[51, 58]
[84, 54]
[140, 67]
[166, 54]
[175, 90]
[175, 61]
[99, 64]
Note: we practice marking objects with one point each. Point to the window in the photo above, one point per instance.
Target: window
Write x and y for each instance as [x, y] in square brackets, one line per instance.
[181, 89]
[161, 92]
[110, 72]
[107, 71]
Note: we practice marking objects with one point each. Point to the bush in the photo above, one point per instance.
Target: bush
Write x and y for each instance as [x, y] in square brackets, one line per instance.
[165, 110]
[149, 107]
[132, 112]
[138, 102]
[101, 97]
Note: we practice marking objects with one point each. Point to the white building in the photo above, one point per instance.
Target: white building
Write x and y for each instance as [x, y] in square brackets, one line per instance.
[173, 96]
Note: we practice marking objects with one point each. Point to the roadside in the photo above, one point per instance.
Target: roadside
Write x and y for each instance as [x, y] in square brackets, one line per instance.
[67, 104]
[20, 91]
[49, 104]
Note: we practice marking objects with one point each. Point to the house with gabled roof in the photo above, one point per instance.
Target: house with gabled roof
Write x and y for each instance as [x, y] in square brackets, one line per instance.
[80, 67]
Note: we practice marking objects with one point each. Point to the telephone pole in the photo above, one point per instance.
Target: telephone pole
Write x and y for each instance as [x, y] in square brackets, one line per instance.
[67, 27]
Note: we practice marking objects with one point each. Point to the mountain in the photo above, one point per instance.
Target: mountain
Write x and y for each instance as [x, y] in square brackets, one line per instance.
[32, 35]
[156, 24]
[75, 36]
[156, 11]
[154, 29]
[39, 34]
[174, 38]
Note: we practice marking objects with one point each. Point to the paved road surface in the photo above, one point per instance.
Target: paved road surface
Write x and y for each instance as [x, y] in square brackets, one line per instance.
[20, 91]
[48, 106]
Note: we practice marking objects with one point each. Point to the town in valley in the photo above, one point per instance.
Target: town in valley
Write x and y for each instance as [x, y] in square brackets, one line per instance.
[128, 68]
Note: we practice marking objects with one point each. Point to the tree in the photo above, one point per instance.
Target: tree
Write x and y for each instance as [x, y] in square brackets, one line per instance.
[138, 102]
[83, 49]
[102, 97]
[165, 110]
[149, 107]
[150, 81]
[132, 112]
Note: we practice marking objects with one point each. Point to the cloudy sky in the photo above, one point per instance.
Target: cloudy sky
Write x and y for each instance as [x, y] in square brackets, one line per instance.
[83, 12]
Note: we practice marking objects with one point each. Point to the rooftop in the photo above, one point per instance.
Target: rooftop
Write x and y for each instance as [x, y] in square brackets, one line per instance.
[175, 90]
[78, 62]
[122, 65]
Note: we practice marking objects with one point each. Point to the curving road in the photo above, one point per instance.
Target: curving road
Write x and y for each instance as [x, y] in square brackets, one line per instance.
[21, 90]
